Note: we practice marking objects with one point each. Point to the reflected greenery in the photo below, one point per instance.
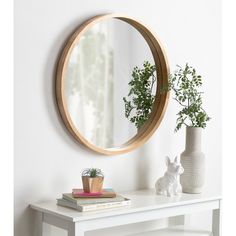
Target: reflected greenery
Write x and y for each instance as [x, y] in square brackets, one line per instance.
[139, 101]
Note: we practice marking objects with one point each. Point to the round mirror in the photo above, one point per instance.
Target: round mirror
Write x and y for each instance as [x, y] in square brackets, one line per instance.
[108, 84]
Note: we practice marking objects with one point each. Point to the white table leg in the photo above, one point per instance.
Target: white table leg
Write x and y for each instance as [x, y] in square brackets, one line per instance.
[75, 230]
[216, 222]
[38, 229]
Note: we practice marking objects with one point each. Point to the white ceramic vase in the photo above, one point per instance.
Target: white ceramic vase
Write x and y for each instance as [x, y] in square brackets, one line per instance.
[193, 162]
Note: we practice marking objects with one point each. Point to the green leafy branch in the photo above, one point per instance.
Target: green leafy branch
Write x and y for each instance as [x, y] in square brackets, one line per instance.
[185, 84]
[140, 97]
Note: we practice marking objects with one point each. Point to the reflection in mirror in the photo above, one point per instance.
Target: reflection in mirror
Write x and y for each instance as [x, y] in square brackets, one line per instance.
[141, 96]
[99, 70]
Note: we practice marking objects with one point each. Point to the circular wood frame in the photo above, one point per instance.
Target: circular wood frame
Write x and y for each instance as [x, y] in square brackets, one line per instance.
[161, 99]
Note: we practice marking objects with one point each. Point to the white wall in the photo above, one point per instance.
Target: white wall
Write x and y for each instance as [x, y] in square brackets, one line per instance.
[47, 160]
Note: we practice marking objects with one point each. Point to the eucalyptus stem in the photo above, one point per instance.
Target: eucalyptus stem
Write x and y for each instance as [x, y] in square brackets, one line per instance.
[185, 83]
[180, 103]
[153, 81]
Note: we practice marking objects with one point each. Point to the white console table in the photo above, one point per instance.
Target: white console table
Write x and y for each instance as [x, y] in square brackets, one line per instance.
[145, 206]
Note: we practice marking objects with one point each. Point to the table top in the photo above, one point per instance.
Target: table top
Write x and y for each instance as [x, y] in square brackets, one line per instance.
[141, 200]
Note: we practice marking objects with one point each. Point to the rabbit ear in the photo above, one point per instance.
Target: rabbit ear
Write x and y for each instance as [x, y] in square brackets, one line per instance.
[167, 160]
[176, 159]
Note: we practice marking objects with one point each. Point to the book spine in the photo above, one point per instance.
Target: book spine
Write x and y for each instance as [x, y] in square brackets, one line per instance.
[104, 205]
[79, 195]
[92, 200]
[69, 199]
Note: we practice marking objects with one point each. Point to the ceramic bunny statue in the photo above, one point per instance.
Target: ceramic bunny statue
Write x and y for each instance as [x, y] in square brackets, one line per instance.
[169, 185]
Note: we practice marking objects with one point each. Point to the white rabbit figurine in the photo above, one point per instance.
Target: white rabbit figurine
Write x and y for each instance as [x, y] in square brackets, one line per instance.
[169, 185]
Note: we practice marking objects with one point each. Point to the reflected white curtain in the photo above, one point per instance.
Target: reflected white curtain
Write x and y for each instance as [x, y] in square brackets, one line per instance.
[89, 85]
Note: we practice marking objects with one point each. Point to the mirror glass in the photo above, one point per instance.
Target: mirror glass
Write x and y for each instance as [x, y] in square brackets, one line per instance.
[96, 83]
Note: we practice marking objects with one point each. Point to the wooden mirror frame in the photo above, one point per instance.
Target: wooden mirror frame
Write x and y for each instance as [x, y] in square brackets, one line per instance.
[161, 100]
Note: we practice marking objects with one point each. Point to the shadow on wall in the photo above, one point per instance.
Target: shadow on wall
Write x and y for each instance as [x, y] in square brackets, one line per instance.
[150, 163]
[21, 226]
[29, 217]
[143, 168]
[25, 222]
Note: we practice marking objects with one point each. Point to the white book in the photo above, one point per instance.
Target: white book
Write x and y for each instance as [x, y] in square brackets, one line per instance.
[92, 207]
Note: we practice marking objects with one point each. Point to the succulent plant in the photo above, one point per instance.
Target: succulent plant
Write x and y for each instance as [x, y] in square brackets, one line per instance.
[92, 172]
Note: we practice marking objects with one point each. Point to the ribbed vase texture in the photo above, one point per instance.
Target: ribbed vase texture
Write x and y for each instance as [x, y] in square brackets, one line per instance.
[193, 162]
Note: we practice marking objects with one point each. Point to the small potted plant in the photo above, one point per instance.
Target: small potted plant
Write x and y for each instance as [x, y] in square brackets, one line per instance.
[186, 83]
[92, 179]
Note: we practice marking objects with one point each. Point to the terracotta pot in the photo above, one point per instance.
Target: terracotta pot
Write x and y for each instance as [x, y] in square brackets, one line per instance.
[92, 185]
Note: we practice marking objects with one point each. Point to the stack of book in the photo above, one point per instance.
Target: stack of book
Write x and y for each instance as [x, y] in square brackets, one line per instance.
[82, 201]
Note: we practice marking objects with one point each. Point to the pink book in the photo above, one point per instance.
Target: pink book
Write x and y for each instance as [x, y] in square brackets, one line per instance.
[103, 194]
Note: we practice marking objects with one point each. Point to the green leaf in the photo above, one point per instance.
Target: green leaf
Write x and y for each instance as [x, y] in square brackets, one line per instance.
[140, 99]
[185, 82]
